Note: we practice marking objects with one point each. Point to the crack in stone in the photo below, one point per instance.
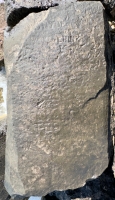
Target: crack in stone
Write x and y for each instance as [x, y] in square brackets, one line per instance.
[105, 87]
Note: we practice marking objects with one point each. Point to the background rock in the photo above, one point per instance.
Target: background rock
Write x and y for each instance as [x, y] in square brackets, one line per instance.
[11, 4]
[3, 82]
[3, 97]
[3, 192]
[2, 27]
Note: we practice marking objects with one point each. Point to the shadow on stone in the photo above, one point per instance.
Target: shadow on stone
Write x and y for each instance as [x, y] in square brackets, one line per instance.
[101, 188]
[1, 64]
[2, 163]
[20, 13]
[3, 193]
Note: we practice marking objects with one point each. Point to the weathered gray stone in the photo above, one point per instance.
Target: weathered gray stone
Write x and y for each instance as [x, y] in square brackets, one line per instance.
[56, 138]
[11, 4]
[3, 93]
[82, 199]
[2, 27]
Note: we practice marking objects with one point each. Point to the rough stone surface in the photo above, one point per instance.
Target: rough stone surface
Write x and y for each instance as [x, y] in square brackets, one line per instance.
[82, 199]
[3, 94]
[100, 188]
[3, 193]
[56, 138]
[11, 4]
[2, 27]
[2, 73]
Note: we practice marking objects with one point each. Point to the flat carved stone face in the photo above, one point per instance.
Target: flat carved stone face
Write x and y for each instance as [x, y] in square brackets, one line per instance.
[57, 123]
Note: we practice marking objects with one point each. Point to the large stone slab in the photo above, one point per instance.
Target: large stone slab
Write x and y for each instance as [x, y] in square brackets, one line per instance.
[57, 134]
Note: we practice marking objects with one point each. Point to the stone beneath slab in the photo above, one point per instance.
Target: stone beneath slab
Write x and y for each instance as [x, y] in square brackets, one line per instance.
[3, 97]
[58, 100]
[3, 193]
[11, 4]
[82, 199]
[2, 27]
[35, 198]
[3, 82]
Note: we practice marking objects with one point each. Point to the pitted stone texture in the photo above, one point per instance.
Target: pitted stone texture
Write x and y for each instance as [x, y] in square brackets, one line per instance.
[3, 96]
[3, 193]
[12, 4]
[2, 27]
[55, 62]
[2, 73]
[82, 199]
